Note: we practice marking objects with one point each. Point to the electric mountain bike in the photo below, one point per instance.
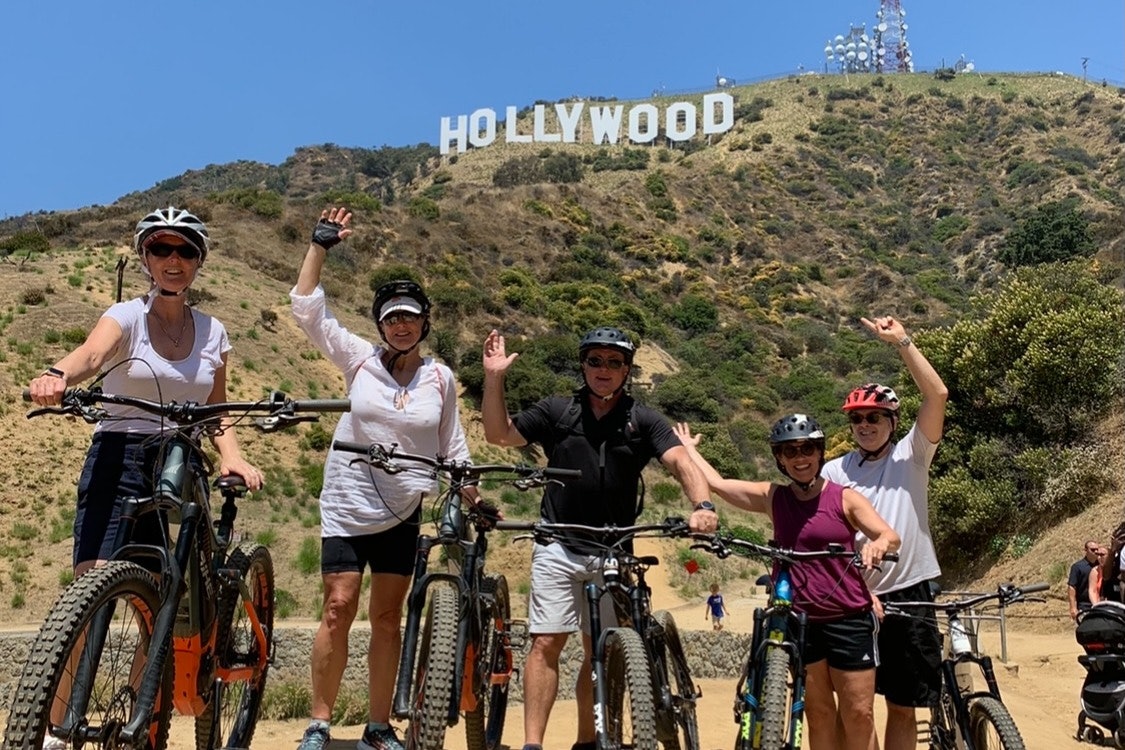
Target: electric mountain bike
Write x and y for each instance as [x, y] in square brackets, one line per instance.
[967, 719]
[464, 660]
[122, 646]
[643, 689]
[769, 700]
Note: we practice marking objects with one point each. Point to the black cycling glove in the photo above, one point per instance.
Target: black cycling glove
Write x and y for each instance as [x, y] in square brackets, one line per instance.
[326, 233]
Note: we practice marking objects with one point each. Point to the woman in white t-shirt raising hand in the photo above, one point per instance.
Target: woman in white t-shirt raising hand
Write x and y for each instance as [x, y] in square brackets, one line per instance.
[154, 347]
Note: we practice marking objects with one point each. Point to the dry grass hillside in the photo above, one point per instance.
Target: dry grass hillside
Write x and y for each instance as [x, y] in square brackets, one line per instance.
[743, 265]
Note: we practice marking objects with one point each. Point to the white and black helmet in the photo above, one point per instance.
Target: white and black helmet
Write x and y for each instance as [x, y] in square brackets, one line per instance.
[176, 220]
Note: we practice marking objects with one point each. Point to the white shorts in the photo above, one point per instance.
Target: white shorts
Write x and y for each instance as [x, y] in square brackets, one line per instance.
[557, 603]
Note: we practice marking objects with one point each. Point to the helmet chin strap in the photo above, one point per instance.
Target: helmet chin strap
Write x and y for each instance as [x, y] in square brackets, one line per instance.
[165, 293]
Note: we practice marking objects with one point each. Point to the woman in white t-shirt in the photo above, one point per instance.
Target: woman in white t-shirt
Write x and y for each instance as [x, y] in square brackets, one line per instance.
[154, 347]
[370, 518]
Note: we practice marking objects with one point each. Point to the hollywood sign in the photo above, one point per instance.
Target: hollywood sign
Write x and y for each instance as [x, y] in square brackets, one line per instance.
[680, 121]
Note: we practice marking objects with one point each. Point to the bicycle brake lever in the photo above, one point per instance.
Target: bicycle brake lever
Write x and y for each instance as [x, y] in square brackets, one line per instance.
[276, 422]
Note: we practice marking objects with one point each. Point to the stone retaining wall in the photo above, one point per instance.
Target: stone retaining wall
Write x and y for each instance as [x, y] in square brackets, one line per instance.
[709, 654]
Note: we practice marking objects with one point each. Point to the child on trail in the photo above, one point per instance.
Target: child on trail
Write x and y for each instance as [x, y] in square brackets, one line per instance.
[716, 608]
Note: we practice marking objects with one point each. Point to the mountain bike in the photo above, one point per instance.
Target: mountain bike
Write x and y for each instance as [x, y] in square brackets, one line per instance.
[963, 718]
[769, 700]
[643, 690]
[122, 646]
[464, 660]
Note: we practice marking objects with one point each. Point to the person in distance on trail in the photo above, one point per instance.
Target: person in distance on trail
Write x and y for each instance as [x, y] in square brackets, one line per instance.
[895, 476]
[716, 609]
[1078, 582]
[603, 432]
[154, 347]
[809, 513]
[370, 518]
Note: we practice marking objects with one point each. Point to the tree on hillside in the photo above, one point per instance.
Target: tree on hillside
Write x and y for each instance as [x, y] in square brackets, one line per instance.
[1055, 231]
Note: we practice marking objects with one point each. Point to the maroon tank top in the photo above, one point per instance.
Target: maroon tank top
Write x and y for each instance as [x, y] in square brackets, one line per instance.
[827, 589]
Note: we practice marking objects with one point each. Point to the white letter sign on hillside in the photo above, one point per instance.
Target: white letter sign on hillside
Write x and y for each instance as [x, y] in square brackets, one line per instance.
[643, 123]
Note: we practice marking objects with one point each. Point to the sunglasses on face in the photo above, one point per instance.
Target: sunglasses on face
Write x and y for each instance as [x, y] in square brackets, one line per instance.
[598, 362]
[164, 250]
[402, 317]
[874, 417]
[804, 449]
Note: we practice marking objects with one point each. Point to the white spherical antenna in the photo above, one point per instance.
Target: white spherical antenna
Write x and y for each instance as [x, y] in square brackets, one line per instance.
[839, 49]
[862, 55]
[969, 67]
[881, 26]
[839, 39]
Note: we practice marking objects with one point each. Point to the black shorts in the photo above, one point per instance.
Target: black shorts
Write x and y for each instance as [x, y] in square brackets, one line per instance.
[847, 643]
[118, 466]
[910, 674]
[390, 551]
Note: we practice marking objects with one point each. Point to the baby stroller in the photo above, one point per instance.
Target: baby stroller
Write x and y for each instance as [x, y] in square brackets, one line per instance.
[1101, 633]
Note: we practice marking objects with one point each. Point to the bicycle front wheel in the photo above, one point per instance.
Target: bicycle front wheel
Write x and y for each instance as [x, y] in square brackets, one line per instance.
[243, 658]
[992, 726]
[628, 679]
[774, 700]
[433, 678]
[83, 673]
[676, 724]
[484, 725]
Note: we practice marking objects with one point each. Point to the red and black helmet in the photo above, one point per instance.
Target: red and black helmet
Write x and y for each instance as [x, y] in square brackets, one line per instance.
[872, 396]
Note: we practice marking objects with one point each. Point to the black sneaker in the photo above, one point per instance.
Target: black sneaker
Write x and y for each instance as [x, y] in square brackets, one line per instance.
[379, 739]
[316, 737]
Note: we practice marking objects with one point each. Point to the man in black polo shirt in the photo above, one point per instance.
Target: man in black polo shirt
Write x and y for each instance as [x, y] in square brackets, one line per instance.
[603, 432]
[1078, 584]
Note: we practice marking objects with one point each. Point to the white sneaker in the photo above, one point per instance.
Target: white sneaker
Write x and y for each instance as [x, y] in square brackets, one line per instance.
[54, 743]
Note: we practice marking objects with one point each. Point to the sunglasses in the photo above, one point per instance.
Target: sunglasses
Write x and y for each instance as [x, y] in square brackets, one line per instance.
[163, 250]
[401, 317]
[804, 449]
[598, 362]
[874, 417]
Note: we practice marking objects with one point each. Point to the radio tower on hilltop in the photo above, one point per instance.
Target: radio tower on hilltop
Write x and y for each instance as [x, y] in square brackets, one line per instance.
[892, 51]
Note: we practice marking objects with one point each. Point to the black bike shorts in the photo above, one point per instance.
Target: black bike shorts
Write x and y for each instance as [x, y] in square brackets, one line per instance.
[910, 674]
[847, 643]
[390, 551]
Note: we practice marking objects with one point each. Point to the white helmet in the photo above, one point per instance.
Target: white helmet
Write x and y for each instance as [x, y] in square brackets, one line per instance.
[176, 220]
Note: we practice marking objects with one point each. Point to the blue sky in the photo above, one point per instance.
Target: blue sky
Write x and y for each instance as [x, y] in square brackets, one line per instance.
[103, 98]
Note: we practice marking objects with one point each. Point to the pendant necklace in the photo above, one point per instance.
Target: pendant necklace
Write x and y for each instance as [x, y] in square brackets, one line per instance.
[183, 327]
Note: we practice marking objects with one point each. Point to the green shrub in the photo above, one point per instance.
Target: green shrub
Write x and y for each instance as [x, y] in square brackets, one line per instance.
[423, 208]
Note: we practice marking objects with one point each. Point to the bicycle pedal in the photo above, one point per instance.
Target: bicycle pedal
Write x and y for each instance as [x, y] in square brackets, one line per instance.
[517, 634]
[228, 577]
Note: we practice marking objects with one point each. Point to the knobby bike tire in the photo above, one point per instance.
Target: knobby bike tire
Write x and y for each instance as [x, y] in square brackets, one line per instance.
[990, 721]
[236, 712]
[676, 726]
[774, 700]
[433, 678]
[484, 726]
[125, 596]
[627, 676]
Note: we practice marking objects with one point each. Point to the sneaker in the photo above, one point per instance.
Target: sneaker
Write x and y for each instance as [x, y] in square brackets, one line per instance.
[316, 737]
[54, 743]
[379, 739]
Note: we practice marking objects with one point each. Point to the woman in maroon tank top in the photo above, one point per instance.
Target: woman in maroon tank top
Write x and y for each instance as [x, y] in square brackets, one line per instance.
[809, 513]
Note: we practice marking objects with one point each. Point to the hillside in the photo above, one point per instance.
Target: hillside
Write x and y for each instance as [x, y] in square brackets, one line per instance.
[742, 264]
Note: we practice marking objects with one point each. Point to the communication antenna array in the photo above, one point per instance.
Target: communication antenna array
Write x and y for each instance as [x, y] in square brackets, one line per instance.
[892, 50]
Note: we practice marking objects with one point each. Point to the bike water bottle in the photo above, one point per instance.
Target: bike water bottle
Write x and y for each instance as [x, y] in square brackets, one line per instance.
[959, 643]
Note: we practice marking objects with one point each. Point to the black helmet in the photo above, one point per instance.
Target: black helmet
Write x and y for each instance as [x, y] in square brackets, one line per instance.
[607, 337]
[796, 427]
[401, 295]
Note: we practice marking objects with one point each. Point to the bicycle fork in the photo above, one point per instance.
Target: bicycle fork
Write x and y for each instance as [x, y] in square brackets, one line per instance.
[748, 709]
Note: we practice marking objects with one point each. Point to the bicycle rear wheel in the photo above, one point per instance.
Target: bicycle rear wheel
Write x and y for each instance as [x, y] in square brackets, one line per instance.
[84, 669]
[485, 724]
[992, 726]
[627, 677]
[229, 721]
[676, 724]
[774, 701]
[433, 678]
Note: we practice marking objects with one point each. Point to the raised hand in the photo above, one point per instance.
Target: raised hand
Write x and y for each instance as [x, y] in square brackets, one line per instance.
[332, 227]
[683, 432]
[887, 329]
[496, 359]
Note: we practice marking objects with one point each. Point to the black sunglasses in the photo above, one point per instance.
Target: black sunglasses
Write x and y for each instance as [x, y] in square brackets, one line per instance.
[597, 362]
[401, 317]
[163, 250]
[804, 449]
[874, 417]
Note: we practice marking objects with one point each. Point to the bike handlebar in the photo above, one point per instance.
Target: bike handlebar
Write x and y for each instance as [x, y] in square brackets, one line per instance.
[280, 410]
[1006, 593]
[386, 459]
[720, 545]
[607, 537]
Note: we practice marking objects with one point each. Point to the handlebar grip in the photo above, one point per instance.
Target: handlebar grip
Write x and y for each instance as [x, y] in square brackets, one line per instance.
[66, 394]
[1031, 588]
[890, 557]
[515, 525]
[562, 473]
[27, 394]
[325, 405]
[349, 447]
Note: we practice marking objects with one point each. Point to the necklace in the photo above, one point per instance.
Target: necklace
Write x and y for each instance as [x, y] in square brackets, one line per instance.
[183, 327]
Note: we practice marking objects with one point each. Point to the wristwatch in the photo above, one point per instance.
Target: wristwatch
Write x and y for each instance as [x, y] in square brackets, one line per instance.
[705, 505]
